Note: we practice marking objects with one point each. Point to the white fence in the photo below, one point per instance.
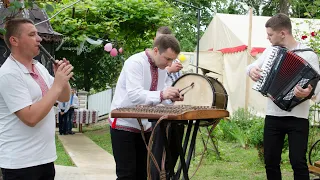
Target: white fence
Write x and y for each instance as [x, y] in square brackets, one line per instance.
[100, 102]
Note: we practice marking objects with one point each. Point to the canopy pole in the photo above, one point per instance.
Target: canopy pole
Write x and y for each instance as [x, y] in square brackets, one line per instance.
[248, 59]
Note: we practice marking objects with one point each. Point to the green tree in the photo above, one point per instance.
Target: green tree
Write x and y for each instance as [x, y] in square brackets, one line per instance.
[94, 67]
[305, 8]
[184, 21]
[130, 24]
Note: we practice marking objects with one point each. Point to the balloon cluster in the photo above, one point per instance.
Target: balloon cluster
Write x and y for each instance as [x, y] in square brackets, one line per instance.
[113, 51]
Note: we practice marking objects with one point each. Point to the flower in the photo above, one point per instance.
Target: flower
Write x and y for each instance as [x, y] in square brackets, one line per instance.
[304, 37]
[114, 52]
[121, 50]
[310, 37]
[108, 47]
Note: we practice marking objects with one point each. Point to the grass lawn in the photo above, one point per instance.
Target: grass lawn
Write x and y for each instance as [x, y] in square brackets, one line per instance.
[63, 157]
[235, 163]
[100, 135]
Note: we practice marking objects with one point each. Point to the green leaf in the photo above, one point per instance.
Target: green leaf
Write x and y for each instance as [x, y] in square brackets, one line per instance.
[3, 31]
[28, 4]
[41, 5]
[49, 8]
[12, 8]
[16, 4]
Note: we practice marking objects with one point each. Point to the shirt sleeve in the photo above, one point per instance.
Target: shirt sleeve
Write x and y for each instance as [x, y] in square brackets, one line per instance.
[67, 107]
[61, 107]
[14, 92]
[134, 85]
[75, 101]
[313, 61]
[258, 62]
[168, 81]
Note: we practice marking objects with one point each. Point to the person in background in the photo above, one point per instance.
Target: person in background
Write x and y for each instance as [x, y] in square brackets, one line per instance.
[74, 104]
[63, 117]
[173, 73]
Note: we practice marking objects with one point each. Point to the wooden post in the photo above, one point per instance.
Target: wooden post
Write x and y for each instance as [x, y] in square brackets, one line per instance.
[248, 59]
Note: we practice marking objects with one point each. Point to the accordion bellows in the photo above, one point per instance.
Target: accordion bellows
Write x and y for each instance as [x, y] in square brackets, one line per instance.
[281, 72]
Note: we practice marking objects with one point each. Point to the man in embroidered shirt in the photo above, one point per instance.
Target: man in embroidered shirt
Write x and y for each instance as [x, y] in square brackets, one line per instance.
[278, 122]
[27, 95]
[141, 82]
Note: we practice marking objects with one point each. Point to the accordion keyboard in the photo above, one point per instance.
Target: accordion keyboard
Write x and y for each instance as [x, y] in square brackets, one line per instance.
[272, 54]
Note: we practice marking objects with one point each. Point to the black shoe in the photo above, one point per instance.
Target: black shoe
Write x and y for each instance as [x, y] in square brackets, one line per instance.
[71, 132]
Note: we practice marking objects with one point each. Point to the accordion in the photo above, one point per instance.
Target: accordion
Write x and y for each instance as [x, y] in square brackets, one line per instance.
[281, 72]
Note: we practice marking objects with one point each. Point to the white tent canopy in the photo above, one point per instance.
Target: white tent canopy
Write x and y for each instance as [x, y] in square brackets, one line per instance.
[228, 30]
[223, 49]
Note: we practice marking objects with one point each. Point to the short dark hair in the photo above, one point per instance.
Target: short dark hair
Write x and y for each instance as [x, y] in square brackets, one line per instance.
[12, 28]
[164, 30]
[165, 42]
[278, 22]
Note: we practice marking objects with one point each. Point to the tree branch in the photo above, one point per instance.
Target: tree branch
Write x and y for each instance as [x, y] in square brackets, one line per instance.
[57, 13]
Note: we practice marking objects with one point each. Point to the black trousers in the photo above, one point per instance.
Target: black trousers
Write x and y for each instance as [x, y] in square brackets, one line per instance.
[130, 154]
[63, 123]
[158, 147]
[275, 130]
[70, 115]
[41, 172]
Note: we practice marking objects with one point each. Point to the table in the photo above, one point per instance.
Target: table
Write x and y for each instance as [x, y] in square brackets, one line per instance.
[190, 115]
[85, 116]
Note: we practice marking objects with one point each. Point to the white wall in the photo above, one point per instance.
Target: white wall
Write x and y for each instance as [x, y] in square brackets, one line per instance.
[100, 102]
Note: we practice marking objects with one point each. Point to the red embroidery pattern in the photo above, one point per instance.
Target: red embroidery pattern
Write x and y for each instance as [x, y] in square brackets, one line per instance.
[153, 87]
[84, 114]
[154, 73]
[127, 128]
[39, 80]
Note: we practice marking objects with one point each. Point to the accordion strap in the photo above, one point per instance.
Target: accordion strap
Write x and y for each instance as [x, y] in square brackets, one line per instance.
[301, 50]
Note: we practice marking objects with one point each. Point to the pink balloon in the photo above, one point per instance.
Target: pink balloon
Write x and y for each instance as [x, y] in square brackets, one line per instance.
[114, 52]
[108, 47]
[120, 50]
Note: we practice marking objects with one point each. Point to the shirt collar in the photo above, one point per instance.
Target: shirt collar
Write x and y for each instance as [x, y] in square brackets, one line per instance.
[21, 66]
[150, 60]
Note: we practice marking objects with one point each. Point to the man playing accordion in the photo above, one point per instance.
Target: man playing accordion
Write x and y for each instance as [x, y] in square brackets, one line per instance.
[279, 122]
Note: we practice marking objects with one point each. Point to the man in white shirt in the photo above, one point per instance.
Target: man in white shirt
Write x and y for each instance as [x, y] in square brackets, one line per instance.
[27, 95]
[278, 122]
[141, 82]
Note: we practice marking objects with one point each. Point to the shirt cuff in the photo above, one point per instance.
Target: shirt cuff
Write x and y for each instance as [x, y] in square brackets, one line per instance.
[161, 96]
[249, 69]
